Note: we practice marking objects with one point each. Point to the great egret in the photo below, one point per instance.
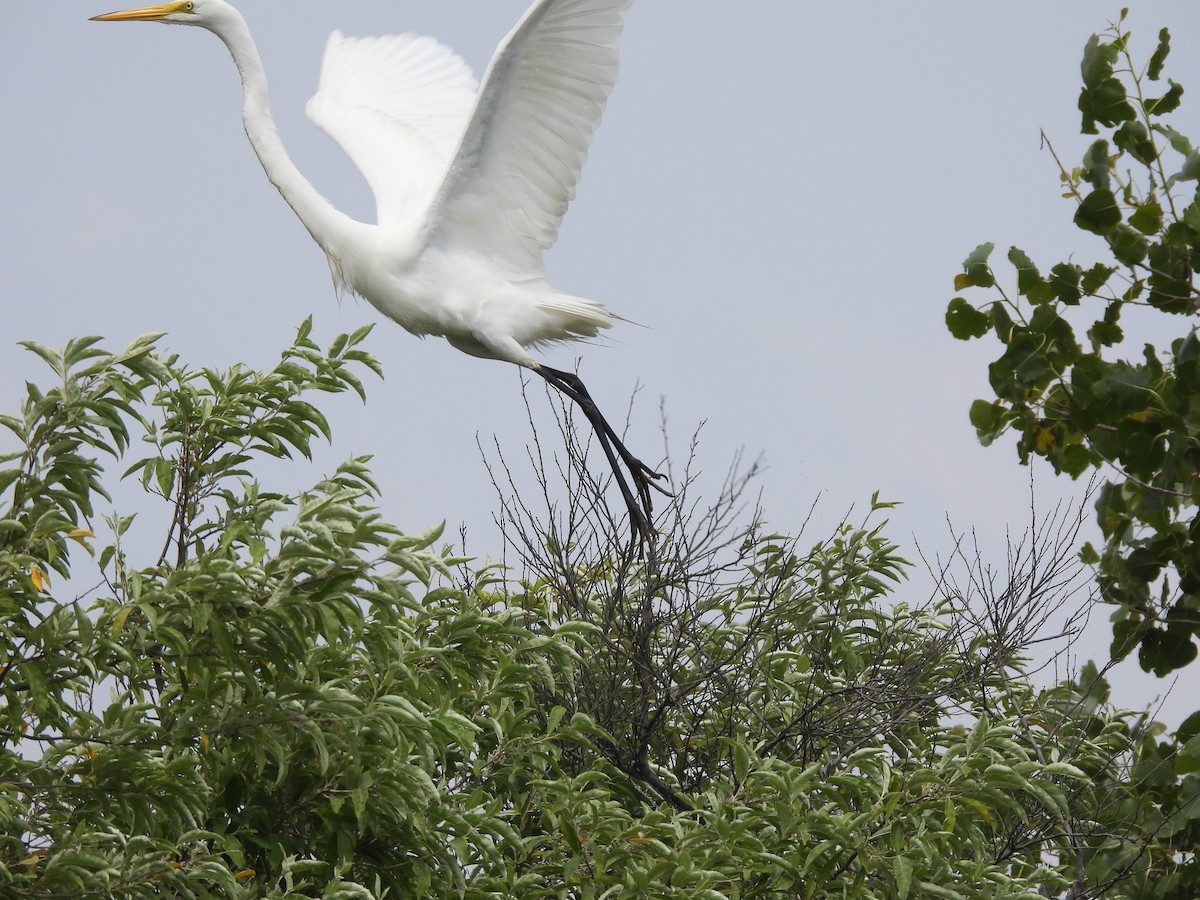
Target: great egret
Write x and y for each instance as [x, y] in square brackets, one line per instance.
[470, 182]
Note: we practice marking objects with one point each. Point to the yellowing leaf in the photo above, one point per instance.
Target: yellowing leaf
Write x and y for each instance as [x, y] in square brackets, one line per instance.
[244, 874]
[1045, 440]
[118, 622]
[1144, 415]
[962, 281]
[642, 840]
[34, 859]
[41, 578]
[979, 808]
[204, 741]
[80, 534]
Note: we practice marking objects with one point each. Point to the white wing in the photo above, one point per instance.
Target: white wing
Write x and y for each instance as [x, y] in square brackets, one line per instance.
[516, 169]
[398, 106]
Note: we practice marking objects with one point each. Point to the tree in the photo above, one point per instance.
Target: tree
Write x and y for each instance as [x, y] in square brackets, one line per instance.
[286, 696]
[1085, 404]
[263, 708]
[1085, 408]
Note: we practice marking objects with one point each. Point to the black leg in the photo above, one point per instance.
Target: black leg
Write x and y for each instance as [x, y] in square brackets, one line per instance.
[641, 509]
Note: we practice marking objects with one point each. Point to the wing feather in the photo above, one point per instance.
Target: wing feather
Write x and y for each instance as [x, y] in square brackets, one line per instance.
[397, 105]
[516, 169]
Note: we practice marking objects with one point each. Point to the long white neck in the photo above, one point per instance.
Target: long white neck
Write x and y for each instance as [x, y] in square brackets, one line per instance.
[328, 225]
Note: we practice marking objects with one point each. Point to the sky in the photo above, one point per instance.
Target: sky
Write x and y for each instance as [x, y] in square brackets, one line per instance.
[778, 200]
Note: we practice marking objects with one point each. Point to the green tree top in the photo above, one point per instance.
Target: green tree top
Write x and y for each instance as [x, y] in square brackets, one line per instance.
[1065, 383]
[286, 696]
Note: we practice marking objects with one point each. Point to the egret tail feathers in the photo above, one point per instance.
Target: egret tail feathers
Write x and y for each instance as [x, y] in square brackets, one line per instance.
[575, 316]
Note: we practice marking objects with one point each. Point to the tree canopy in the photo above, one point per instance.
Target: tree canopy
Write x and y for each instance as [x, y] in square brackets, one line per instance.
[1070, 388]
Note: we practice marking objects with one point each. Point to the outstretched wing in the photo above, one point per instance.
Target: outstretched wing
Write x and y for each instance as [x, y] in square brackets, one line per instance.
[398, 106]
[516, 169]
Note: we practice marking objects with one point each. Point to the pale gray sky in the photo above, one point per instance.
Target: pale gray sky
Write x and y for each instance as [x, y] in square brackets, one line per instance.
[780, 194]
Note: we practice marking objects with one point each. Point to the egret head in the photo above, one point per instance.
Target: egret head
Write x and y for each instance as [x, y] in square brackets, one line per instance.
[205, 13]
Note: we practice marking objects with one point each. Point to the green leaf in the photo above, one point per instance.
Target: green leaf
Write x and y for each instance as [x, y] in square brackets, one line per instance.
[1092, 683]
[1187, 760]
[1134, 139]
[989, 419]
[1106, 103]
[1030, 283]
[164, 473]
[13, 424]
[741, 761]
[8, 476]
[1106, 334]
[976, 267]
[1066, 770]
[1002, 322]
[1125, 386]
[1099, 212]
[1191, 217]
[1098, 59]
[1023, 367]
[1154, 69]
[1179, 143]
[903, 869]
[1163, 651]
[1097, 165]
[1189, 728]
[39, 691]
[12, 526]
[52, 359]
[1096, 277]
[1148, 217]
[965, 321]
[1065, 281]
[1062, 347]
[929, 889]
[1128, 246]
[1050, 796]
[1189, 171]
[1168, 102]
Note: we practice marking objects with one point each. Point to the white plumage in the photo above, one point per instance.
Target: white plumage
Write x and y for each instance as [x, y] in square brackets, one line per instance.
[398, 106]
[470, 181]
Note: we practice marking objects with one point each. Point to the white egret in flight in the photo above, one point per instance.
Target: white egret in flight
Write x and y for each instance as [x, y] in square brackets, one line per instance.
[470, 181]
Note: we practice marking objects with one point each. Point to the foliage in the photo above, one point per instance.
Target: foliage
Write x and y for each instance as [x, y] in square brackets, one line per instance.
[1078, 399]
[285, 696]
[809, 730]
[266, 710]
[819, 737]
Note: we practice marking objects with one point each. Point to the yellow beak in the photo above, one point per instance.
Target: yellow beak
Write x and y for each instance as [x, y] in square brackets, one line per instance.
[142, 13]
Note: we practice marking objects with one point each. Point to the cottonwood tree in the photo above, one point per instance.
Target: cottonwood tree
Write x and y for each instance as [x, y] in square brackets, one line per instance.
[1086, 382]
